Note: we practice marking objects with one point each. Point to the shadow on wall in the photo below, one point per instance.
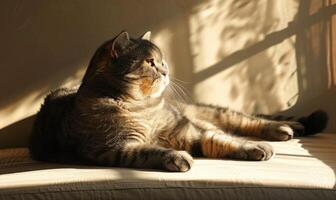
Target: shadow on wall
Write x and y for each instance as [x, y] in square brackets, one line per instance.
[316, 59]
[245, 51]
[253, 57]
[16, 134]
[264, 60]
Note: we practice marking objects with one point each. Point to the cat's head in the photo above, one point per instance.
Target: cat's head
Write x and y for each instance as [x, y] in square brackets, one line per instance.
[134, 67]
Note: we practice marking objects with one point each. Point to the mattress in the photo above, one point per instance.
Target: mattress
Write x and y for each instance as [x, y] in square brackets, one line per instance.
[302, 168]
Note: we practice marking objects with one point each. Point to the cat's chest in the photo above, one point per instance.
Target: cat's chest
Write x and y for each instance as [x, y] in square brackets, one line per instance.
[161, 118]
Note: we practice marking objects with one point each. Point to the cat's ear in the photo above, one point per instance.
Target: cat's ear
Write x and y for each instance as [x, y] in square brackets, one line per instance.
[119, 44]
[146, 36]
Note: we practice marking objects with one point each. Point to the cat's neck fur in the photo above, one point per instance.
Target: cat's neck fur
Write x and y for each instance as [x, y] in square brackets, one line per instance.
[98, 90]
[144, 104]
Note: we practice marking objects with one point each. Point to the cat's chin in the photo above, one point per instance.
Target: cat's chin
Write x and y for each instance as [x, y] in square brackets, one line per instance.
[162, 88]
[158, 93]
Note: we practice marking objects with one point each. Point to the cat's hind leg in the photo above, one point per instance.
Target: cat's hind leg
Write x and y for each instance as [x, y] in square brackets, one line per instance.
[219, 145]
[209, 141]
[302, 126]
[239, 123]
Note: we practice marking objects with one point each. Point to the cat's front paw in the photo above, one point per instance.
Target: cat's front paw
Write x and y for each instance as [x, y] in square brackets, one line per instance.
[278, 132]
[177, 161]
[257, 151]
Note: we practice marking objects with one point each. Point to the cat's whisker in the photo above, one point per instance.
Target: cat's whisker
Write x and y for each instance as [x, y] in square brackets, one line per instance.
[185, 94]
[177, 94]
[173, 94]
[176, 79]
[181, 97]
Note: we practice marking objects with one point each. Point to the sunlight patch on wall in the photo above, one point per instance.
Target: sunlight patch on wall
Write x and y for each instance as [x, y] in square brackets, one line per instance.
[75, 79]
[221, 31]
[30, 103]
[21, 109]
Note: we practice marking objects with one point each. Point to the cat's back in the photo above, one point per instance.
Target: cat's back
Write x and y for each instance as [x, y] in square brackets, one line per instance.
[47, 125]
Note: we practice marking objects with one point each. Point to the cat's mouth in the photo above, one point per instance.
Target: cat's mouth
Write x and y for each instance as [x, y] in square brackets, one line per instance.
[160, 85]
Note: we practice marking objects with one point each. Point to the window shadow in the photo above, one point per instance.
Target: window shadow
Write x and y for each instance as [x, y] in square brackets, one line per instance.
[294, 28]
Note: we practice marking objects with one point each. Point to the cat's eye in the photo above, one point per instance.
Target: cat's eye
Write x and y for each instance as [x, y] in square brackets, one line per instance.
[150, 61]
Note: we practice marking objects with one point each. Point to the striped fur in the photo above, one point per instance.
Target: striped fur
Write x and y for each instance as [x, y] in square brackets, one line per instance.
[119, 116]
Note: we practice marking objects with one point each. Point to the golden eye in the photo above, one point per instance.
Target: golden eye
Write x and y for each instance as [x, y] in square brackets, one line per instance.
[151, 62]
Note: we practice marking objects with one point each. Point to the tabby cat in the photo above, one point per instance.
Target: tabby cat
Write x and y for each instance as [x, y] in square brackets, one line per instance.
[119, 116]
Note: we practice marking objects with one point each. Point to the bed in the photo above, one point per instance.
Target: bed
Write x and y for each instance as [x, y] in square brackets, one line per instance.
[303, 168]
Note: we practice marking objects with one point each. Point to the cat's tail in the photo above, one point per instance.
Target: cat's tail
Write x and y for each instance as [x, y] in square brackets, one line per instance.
[314, 123]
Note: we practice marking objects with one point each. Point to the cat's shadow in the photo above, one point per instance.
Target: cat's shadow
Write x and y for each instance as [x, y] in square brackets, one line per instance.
[16, 134]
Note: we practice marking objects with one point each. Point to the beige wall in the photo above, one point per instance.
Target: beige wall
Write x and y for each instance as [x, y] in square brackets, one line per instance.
[257, 56]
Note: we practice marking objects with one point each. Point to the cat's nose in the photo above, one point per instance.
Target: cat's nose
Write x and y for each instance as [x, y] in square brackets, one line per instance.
[164, 64]
[164, 70]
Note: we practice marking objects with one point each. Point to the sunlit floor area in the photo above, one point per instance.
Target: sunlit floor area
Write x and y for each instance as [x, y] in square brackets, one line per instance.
[302, 169]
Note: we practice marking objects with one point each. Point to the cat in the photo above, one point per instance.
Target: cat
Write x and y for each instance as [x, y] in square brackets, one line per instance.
[120, 117]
